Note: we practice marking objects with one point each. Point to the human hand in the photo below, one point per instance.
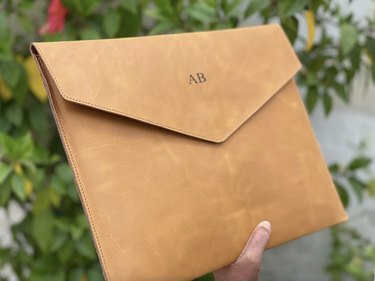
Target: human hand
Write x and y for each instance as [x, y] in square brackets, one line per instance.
[247, 265]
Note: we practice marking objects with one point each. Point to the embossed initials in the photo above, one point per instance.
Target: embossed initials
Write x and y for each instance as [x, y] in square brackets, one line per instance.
[198, 78]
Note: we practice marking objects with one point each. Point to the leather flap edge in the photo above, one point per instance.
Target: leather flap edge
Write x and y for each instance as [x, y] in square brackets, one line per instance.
[242, 69]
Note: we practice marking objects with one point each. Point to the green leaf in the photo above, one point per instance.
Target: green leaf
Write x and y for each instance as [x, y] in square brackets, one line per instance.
[25, 146]
[14, 114]
[348, 38]
[344, 197]
[311, 99]
[334, 168]
[21, 88]
[16, 149]
[72, 192]
[330, 74]
[41, 156]
[77, 274]
[83, 7]
[85, 247]
[18, 187]
[341, 91]
[157, 14]
[4, 256]
[89, 6]
[130, 24]
[130, 5]
[58, 241]
[58, 185]
[42, 202]
[82, 221]
[4, 125]
[3, 23]
[37, 116]
[59, 276]
[359, 163]
[89, 34]
[312, 80]
[63, 224]
[64, 172]
[355, 58]
[5, 191]
[111, 23]
[54, 197]
[4, 172]
[95, 274]
[6, 37]
[287, 8]
[290, 26]
[43, 231]
[357, 186]
[47, 273]
[327, 104]
[369, 252]
[371, 187]
[355, 267]
[10, 71]
[231, 8]
[6, 145]
[256, 6]
[162, 27]
[370, 47]
[66, 252]
[202, 12]
[76, 231]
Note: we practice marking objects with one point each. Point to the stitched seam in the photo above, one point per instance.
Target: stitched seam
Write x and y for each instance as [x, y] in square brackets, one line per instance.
[80, 185]
[122, 113]
[81, 189]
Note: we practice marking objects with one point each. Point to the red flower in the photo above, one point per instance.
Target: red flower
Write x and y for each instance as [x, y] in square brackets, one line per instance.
[56, 18]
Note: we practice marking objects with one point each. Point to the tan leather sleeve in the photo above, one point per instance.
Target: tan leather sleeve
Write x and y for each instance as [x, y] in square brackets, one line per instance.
[181, 144]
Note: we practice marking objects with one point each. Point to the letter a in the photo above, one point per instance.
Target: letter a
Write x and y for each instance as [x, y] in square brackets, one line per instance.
[192, 79]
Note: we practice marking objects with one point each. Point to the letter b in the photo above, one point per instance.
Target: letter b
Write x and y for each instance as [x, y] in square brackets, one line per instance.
[201, 77]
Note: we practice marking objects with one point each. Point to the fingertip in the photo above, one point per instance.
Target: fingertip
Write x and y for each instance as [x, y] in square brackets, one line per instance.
[261, 235]
[266, 225]
[257, 241]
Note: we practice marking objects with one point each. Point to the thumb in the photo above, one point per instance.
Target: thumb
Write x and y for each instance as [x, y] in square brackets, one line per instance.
[256, 244]
[247, 266]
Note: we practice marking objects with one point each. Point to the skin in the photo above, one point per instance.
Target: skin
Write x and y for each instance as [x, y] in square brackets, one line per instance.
[247, 266]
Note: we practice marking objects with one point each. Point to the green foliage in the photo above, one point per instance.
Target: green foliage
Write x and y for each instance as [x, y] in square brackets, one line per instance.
[351, 255]
[55, 225]
[350, 178]
[53, 241]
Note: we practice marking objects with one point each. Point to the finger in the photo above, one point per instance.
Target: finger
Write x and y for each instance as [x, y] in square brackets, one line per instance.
[256, 244]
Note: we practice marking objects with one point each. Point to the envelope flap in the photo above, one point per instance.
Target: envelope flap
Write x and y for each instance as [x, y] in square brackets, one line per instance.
[203, 84]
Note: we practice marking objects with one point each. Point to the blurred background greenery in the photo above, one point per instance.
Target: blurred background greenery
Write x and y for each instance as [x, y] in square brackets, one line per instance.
[51, 240]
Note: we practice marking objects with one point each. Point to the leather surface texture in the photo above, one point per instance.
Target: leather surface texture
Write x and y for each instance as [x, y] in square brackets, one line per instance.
[181, 144]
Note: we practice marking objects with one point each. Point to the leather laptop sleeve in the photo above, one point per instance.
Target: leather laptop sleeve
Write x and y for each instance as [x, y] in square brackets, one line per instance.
[181, 144]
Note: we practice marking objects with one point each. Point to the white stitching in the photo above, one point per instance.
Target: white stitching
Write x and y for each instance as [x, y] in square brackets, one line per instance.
[60, 123]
